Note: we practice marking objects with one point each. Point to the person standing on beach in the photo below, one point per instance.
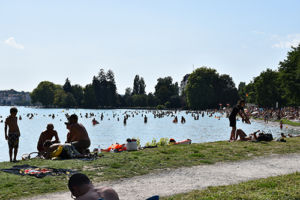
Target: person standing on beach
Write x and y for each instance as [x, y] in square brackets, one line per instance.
[238, 109]
[13, 134]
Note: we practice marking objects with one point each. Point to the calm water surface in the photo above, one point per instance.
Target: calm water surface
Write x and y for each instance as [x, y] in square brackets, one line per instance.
[206, 129]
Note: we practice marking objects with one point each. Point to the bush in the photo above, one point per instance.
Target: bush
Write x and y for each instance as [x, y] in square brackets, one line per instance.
[160, 107]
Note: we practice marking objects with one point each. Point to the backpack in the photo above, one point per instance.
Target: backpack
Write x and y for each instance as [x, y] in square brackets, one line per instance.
[265, 137]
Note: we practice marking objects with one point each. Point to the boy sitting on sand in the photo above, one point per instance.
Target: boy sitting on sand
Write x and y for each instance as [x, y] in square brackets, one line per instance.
[13, 133]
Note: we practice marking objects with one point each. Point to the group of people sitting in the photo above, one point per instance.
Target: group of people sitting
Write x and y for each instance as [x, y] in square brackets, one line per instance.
[76, 145]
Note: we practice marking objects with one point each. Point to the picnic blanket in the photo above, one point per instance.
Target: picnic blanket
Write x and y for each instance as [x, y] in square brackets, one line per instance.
[38, 172]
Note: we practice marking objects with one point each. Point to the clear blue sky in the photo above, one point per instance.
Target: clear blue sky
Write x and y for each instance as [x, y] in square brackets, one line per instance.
[53, 40]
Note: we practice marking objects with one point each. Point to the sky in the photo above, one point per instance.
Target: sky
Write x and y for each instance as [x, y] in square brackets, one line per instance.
[54, 40]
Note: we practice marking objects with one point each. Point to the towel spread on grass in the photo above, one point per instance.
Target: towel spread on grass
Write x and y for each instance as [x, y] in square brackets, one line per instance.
[38, 172]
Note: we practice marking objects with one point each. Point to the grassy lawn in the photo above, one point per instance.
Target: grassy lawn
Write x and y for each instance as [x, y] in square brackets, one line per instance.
[128, 164]
[279, 187]
[285, 121]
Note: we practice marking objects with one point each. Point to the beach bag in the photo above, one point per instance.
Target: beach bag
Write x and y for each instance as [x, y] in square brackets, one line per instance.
[131, 146]
[69, 151]
[265, 137]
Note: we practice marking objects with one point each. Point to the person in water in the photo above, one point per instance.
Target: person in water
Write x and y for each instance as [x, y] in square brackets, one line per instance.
[48, 134]
[238, 109]
[82, 188]
[13, 135]
[78, 135]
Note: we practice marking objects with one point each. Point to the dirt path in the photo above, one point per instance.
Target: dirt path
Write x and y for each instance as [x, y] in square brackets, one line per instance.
[168, 182]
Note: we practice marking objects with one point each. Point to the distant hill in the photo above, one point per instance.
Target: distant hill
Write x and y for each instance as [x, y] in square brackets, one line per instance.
[13, 97]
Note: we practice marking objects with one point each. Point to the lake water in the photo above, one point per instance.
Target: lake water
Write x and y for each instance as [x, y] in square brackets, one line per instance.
[109, 131]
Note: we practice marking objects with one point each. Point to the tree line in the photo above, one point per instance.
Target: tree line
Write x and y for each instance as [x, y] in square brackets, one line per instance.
[205, 88]
[271, 87]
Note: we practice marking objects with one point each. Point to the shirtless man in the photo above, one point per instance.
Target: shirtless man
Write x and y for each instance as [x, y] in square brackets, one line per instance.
[47, 135]
[78, 135]
[13, 133]
[81, 187]
[238, 109]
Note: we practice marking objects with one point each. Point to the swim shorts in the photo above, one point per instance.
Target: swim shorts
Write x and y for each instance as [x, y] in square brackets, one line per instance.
[13, 140]
[232, 121]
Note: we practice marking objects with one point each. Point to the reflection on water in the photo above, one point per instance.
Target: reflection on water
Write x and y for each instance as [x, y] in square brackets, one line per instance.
[109, 131]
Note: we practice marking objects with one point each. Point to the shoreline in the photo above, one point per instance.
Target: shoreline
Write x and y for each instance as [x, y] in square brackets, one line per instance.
[276, 124]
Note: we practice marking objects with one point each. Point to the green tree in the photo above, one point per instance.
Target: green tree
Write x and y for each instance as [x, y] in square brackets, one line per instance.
[44, 93]
[152, 100]
[267, 88]
[289, 75]
[142, 86]
[78, 94]
[59, 97]
[207, 89]
[165, 89]
[241, 90]
[90, 100]
[200, 89]
[139, 100]
[136, 85]
[111, 89]
[226, 91]
[69, 101]
[67, 86]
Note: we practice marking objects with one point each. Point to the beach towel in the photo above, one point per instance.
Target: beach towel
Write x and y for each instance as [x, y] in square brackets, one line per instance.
[38, 172]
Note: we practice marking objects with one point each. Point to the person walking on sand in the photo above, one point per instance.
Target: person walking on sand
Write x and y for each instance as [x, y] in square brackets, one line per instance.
[238, 109]
[13, 134]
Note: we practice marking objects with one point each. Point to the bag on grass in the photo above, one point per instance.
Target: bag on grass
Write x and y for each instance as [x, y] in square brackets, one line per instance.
[265, 137]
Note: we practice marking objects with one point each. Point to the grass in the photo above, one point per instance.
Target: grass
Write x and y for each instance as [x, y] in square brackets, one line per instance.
[280, 188]
[285, 121]
[114, 166]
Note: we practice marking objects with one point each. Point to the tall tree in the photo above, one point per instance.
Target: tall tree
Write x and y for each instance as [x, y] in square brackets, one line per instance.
[90, 100]
[67, 86]
[267, 88]
[289, 74]
[206, 89]
[136, 85]
[142, 86]
[111, 89]
[165, 89]
[44, 93]
[77, 92]
[200, 89]
[241, 90]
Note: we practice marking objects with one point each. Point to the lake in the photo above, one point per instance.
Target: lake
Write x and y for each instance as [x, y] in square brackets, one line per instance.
[110, 130]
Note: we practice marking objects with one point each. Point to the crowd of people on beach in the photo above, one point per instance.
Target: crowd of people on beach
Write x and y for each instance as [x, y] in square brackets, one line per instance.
[78, 140]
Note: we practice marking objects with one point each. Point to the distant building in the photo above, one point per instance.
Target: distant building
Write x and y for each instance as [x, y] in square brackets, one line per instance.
[12, 97]
[183, 84]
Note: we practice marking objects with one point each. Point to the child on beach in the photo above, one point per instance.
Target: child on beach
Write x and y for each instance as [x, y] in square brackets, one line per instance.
[13, 133]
